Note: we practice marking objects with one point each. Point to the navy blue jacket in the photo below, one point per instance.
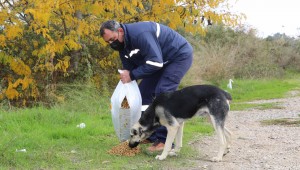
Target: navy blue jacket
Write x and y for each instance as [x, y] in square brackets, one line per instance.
[149, 46]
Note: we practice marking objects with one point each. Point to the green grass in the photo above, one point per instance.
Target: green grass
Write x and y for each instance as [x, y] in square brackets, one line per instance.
[49, 136]
[263, 106]
[249, 90]
[244, 91]
[53, 141]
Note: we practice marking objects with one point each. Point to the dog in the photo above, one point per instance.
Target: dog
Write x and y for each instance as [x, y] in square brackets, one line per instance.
[171, 109]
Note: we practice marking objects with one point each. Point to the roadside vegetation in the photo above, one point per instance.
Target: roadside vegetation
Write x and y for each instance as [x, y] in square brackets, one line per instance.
[283, 122]
[52, 139]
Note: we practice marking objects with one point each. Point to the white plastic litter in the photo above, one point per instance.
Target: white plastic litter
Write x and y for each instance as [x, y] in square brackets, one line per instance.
[81, 125]
[21, 150]
[124, 118]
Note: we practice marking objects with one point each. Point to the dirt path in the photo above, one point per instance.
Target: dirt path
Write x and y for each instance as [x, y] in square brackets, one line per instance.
[256, 146]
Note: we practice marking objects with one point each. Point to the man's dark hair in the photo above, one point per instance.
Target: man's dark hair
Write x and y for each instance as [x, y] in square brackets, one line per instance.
[110, 25]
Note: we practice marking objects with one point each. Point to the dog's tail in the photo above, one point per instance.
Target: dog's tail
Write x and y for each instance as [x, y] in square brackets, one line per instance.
[227, 95]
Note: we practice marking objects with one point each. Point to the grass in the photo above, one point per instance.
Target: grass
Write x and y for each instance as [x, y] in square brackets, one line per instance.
[244, 91]
[262, 106]
[283, 121]
[49, 136]
[53, 141]
[249, 90]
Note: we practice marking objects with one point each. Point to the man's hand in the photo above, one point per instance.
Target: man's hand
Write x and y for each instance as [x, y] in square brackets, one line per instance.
[124, 76]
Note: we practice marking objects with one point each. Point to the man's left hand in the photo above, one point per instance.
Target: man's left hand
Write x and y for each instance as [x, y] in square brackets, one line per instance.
[125, 76]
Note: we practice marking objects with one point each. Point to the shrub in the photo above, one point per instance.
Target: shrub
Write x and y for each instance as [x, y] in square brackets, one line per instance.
[224, 53]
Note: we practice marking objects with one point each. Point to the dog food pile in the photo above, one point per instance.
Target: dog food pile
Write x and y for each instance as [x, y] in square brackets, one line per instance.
[124, 150]
[125, 104]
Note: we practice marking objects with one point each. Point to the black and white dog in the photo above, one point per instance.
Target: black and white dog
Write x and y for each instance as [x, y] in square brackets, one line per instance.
[171, 109]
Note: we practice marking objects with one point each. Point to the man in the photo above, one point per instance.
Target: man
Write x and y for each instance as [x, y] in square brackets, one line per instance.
[154, 53]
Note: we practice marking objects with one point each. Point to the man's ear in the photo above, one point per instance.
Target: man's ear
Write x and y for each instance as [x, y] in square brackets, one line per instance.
[121, 34]
[120, 30]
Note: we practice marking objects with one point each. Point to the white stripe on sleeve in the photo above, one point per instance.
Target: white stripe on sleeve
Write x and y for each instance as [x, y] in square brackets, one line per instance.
[156, 64]
[157, 30]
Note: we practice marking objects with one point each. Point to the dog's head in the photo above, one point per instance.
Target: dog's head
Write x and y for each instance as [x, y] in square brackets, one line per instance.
[137, 134]
[144, 127]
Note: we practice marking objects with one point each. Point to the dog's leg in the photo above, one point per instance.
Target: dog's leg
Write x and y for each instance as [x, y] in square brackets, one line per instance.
[179, 136]
[222, 147]
[228, 135]
[222, 140]
[172, 131]
[178, 141]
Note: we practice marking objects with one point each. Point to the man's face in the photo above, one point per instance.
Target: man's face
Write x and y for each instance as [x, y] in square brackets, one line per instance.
[110, 36]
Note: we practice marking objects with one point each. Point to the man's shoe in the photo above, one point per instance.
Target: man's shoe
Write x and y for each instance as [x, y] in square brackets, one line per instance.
[146, 141]
[157, 146]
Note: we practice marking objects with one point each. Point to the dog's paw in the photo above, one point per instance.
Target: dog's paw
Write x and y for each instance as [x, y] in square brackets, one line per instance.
[216, 159]
[172, 153]
[160, 157]
[177, 149]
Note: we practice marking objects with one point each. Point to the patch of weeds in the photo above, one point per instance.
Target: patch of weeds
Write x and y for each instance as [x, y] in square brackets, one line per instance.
[259, 106]
[266, 106]
[283, 122]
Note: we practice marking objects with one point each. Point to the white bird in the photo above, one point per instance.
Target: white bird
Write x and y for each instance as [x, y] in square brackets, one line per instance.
[229, 85]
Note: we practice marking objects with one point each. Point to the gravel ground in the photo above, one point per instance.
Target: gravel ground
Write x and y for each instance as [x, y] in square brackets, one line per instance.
[256, 146]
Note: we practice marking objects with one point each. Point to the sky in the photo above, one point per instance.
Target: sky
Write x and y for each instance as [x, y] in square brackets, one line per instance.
[271, 16]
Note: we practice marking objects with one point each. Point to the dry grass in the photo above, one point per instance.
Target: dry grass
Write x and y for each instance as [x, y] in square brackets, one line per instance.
[225, 54]
[283, 121]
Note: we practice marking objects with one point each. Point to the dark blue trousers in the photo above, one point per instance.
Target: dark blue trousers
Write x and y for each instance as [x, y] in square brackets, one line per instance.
[165, 80]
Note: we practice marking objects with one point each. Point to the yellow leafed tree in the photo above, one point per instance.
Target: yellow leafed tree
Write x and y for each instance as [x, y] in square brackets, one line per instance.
[45, 42]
